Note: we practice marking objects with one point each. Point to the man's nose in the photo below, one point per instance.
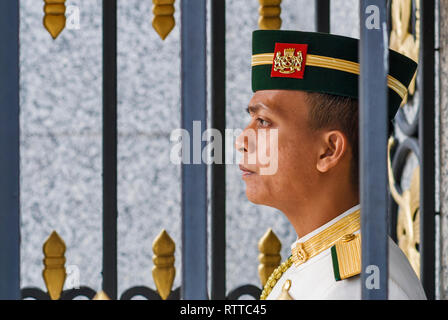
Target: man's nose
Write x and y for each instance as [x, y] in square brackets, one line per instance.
[245, 142]
[240, 143]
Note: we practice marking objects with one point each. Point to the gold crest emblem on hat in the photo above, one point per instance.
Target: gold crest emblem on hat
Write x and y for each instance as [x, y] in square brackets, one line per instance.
[288, 62]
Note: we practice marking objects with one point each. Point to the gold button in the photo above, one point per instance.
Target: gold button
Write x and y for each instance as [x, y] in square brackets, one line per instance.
[300, 253]
[348, 237]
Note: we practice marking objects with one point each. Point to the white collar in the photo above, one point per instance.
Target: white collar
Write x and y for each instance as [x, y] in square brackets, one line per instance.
[326, 225]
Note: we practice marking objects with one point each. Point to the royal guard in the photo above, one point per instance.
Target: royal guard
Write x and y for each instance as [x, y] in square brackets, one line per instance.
[306, 88]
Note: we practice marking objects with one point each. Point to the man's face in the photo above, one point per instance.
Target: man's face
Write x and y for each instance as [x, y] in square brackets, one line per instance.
[287, 112]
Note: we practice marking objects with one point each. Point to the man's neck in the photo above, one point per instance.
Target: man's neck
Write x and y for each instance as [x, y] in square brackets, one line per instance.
[307, 217]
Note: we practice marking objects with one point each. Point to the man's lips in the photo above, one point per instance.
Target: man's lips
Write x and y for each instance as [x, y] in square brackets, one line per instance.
[245, 171]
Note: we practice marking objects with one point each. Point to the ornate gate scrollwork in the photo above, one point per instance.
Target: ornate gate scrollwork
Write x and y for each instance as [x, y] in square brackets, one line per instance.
[405, 38]
[404, 205]
[407, 220]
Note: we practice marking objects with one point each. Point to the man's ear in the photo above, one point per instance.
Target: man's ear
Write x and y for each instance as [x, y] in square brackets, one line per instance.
[333, 147]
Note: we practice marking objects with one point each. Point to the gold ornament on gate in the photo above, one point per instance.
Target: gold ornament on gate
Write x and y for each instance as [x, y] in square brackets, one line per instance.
[163, 21]
[269, 257]
[54, 19]
[101, 295]
[163, 271]
[270, 15]
[408, 224]
[54, 271]
[288, 62]
[401, 39]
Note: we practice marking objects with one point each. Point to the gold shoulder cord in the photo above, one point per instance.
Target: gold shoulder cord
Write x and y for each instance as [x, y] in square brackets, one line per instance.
[303, 251]
[275, 276]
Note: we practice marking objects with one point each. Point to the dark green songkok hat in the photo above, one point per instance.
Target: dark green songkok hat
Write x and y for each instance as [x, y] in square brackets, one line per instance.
[320, 62]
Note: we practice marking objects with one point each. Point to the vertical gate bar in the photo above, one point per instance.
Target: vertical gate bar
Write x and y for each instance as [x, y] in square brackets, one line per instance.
[426, 138]
[10, 151]
[323, 16]
[194, 174]
[110, 148]
[218, 171]
[373, 49]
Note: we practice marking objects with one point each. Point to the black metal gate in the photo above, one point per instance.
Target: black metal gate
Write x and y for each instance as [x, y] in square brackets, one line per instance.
[194, 177]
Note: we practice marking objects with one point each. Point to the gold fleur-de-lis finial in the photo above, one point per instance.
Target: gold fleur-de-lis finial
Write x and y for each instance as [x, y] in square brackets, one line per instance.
[269, 247]
[54, 261]
[163, 271]
[54, 19]
[270, 15]
[163, 21]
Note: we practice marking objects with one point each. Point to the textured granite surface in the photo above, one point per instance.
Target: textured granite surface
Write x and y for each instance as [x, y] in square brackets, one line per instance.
[61, 97]
[443, 150]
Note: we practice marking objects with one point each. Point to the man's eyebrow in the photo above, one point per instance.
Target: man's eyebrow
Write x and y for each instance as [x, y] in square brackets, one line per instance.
[254, 108]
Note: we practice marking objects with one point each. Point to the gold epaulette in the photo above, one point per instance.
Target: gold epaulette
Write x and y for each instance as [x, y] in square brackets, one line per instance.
[340, 237]
[303, 251]
[346, 256]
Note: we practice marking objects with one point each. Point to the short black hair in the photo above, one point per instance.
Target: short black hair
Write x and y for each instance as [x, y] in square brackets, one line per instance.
[329, 111]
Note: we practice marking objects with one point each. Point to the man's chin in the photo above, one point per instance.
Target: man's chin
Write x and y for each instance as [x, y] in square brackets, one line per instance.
[256, 198]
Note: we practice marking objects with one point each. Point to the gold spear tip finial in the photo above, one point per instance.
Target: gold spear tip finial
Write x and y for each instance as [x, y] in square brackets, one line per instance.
[101, 295]
[54, 265]
[269, 243]
[163, 21]
[54, 19]
[163, 271]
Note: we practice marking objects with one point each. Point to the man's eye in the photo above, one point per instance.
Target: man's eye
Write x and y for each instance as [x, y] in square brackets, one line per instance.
[263, 123]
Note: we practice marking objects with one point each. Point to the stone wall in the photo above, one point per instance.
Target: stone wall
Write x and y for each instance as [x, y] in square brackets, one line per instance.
[443, 147]
[61, 90]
